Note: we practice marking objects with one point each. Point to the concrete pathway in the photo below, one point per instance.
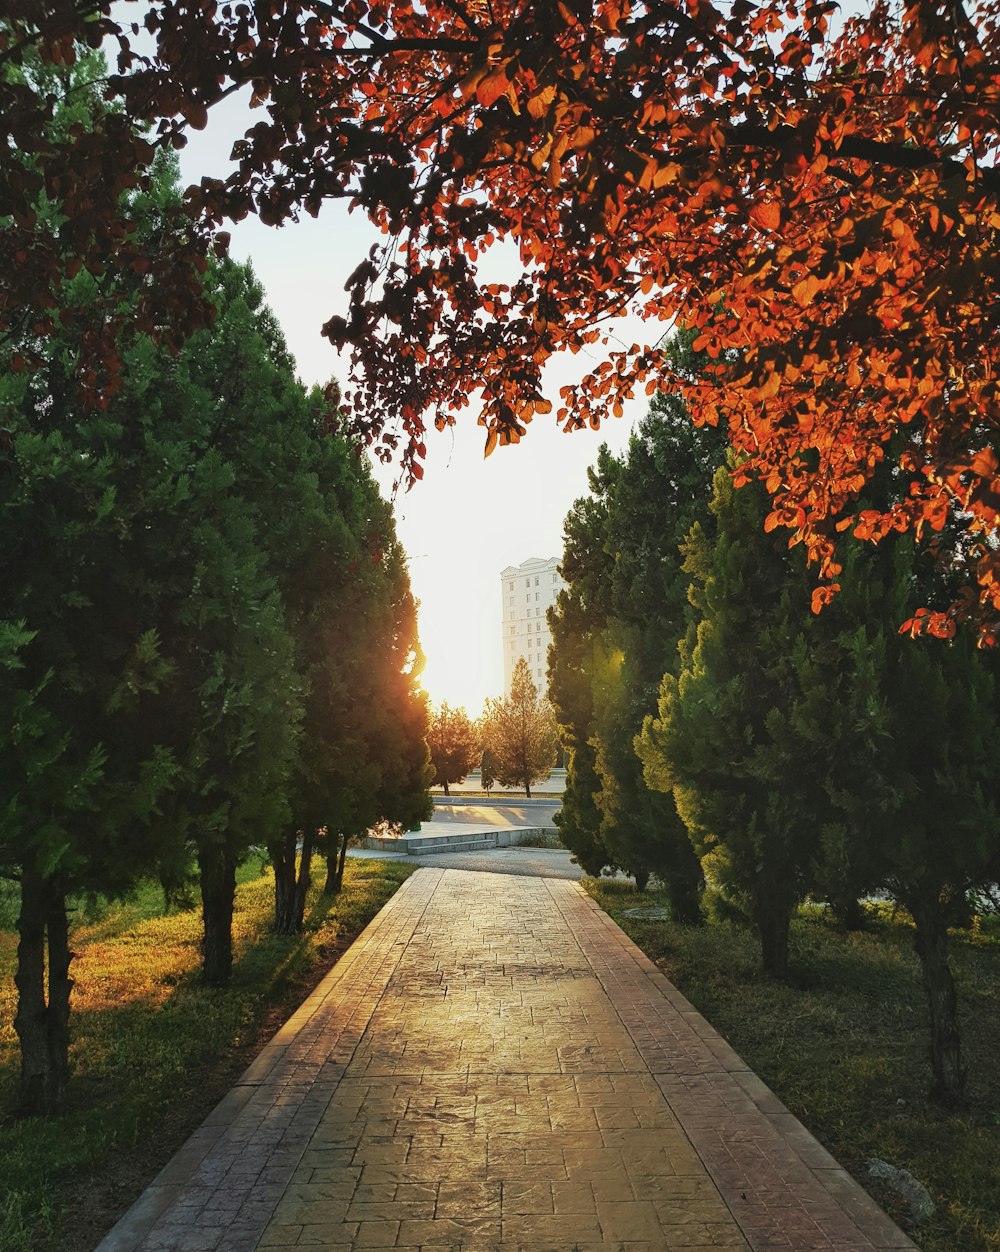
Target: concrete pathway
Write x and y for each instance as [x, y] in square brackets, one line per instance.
[494, 1065]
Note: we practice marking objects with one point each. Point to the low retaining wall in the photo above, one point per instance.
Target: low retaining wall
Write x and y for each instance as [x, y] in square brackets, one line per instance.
[462, 841]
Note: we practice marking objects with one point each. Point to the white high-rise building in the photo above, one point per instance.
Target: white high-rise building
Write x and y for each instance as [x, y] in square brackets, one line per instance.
[528, 590]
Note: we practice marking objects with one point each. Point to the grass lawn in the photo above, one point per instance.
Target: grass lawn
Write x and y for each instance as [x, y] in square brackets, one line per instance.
[845, 1047]
[153, 1050]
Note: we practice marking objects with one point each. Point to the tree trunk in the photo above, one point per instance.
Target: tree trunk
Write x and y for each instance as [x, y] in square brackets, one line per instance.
[848, 912]
[282, 854]
[60, 988]
[527, 788]
[303, 881]
[218, 887]
[343, 859]
[335, 862]
[445, 785]
[684, 885]
[30, 1020]
[331, 887]
[946, 1055]
[641, 877]
[773, 923]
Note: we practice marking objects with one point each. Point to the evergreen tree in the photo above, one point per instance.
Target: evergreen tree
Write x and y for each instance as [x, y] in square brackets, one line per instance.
[576, 621]
[615, 633]
[913, 773]
[82, 658]
[520, 732]
[732, 738]
[154, 650]
[395, 763]
[454, 745]
[364, 757]
[211, 418]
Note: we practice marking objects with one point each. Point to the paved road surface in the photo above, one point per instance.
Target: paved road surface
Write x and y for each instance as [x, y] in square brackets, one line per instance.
[494, 1065]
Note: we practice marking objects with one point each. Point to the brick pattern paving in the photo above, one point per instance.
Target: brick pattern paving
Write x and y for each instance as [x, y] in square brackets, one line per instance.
[494, 1065]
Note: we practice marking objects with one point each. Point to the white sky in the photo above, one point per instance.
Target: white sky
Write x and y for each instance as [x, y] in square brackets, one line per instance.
[469, 517]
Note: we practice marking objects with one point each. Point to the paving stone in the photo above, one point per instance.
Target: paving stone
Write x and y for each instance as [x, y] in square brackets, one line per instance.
[494, 1065]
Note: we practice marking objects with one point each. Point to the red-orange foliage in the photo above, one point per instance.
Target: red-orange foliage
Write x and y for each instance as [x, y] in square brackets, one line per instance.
[824, 209]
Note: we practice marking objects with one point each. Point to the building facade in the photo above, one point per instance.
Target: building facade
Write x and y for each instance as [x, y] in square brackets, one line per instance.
[527, 590]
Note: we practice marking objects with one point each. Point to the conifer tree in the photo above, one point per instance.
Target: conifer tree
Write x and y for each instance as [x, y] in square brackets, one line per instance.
[913, 773]
[615, 632]
[570, 665]
[730, 740]
[363, 757]
[82, 658]
[388, 782]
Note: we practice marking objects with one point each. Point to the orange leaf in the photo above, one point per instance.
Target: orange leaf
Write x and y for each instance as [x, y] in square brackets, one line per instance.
[805, 289]
[767, 216]
[493, 86]
[538, 103]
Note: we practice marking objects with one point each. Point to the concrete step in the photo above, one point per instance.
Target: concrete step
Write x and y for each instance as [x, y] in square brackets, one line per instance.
[467, 840]
[445, 843]
[469, 845]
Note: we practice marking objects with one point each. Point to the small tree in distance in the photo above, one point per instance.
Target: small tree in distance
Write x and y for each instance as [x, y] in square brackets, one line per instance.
[520, 732]
[454, 745]
[488, 771]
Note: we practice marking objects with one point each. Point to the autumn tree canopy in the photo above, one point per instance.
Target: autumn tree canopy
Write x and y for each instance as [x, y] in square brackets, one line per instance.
[817, 196]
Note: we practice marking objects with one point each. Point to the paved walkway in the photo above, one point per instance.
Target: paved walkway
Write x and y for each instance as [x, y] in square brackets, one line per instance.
[494, 1065]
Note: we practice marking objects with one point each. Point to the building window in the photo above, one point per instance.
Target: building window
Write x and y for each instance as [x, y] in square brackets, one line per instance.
[536, 595]
[510, 586]
[536, 582]
[527, 582]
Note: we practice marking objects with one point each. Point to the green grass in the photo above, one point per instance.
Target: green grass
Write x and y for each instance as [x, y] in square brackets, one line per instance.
[152, 1049]
[542, 839]
[845, 1047]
